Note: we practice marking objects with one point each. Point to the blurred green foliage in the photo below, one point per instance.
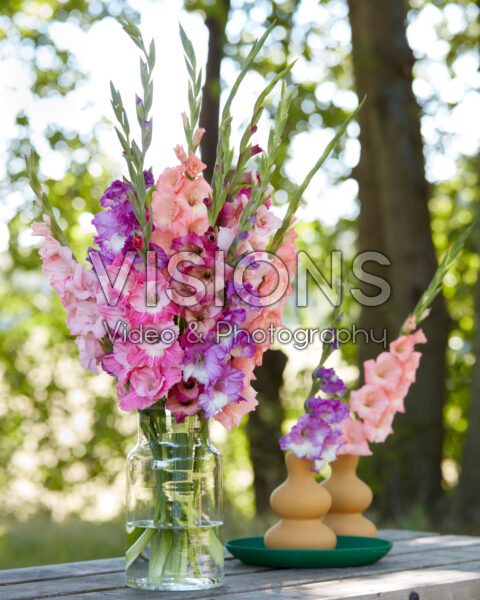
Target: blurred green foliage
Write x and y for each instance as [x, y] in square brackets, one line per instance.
[39, 541]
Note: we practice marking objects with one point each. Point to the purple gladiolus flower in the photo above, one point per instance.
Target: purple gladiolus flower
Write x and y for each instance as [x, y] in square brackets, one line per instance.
[116, 194]
[331, 383]
[329, 410]
[203, 362]
[115, 227]
[162, 258]
[225, 328]
[243, 345]
[226, 389]
[313, 439]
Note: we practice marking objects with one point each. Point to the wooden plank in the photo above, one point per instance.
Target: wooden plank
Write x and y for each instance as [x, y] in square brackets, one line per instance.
[57, 587]
[66, 570]
[75, 569]
[104, 581]
[459, 583]
[240, 580]
[426, 544]
[402, 534]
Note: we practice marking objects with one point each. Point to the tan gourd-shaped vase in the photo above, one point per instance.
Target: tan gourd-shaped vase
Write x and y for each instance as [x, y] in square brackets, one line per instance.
[300, 502]
[350, 497]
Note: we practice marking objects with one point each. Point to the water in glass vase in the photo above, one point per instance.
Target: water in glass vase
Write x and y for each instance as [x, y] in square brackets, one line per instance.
[174, 558]
[174, 505]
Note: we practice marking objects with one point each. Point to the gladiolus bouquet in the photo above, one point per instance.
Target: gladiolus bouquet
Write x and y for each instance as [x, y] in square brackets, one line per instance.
[183, 272]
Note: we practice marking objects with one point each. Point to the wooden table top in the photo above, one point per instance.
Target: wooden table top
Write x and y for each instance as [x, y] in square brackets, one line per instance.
[420, 566]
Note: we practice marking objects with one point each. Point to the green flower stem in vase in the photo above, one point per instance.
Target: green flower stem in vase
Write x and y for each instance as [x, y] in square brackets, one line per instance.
[174, 505]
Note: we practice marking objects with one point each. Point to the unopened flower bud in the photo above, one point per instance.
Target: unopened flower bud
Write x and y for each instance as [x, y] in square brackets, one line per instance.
[197, 136]
[180, 153]
[137, 242]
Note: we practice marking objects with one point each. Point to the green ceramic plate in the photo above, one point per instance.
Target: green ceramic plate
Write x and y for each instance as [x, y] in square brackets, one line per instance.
[350, 552]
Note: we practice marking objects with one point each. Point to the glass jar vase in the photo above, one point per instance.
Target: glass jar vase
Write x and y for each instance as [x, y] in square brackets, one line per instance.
[174, 505]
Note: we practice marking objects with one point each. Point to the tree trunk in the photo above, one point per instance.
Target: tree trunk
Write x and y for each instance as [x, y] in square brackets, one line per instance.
[264, 429]
[394, 220]
[467, 507]
[216, 22]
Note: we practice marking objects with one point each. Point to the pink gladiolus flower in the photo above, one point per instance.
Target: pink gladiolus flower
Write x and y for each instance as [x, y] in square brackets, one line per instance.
[163, 236]
[192, 207]
[149, 301]
[385, 371]
[42, 229]
[369, 402]
[233, 413]
[397, 396]
[147, 386]
[137, 242]
[226, 235]
[205, 316]
[171, 180]
[419, 337]
[114, 316]
[116, 364]
[116, 280]
[57, 264]
[266, 222]
[84, 317]
[194, 165]
[288, 250]
[411, 365]
[159, 354]
[164, 208]
[186, 391]
[91, 353]
[83, 284]
[379, 431]
[403, 346]
[180, 410]
[353, 434]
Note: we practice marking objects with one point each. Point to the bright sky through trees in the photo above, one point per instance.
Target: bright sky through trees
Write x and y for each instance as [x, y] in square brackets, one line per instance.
[105, 53]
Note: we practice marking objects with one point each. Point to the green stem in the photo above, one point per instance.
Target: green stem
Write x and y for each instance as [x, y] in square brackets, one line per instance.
[159, 552]
[138, 546]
